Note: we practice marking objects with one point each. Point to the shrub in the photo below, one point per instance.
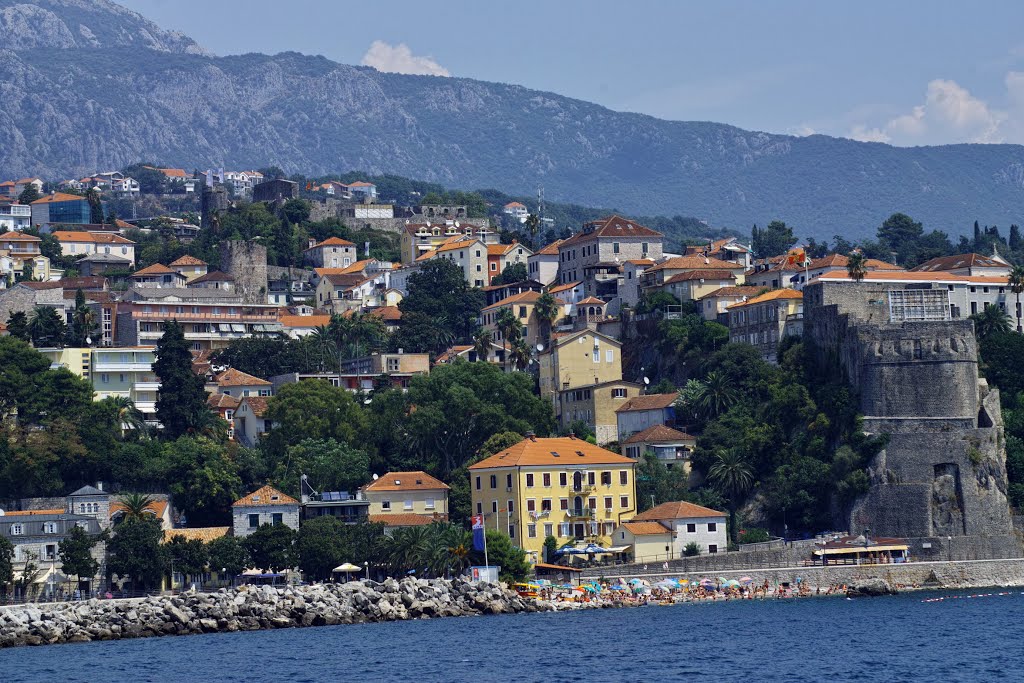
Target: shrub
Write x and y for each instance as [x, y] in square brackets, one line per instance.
[755, 535]
[691, 549]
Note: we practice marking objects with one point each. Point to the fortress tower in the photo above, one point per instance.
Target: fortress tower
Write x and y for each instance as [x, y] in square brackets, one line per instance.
[941, 480]
[247, 263]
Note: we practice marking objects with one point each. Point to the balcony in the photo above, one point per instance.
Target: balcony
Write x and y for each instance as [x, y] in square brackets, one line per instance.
[581, 513]
[186, 316]
[103, 366]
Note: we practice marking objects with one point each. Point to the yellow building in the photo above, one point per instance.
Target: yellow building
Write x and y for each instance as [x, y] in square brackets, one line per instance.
[523, 307]
[407, 493]
[561, 487]
[114, 371]
[578, 359]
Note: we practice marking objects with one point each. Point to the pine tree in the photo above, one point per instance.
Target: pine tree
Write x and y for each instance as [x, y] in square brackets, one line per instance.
[182, 397]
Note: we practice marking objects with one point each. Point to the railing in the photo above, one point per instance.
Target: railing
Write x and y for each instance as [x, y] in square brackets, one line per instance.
[186, 316]
[587, 513]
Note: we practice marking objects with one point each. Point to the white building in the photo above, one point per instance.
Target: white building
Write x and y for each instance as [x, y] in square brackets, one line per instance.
[266, 505]
[517, 210]
[15, 217]
[690, 524]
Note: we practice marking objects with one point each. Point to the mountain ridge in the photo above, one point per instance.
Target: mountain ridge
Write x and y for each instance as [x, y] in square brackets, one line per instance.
[177, 104]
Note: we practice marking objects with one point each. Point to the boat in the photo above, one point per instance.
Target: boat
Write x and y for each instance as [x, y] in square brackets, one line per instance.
[526, 590]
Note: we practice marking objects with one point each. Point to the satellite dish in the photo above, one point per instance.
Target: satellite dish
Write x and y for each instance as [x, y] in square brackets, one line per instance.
[367, 401]
[647, 380]
[456, 224]
[375, 477]
[540, 347]
[2, 513]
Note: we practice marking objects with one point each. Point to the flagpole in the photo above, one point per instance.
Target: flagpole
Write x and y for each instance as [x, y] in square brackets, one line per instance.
[486, 563]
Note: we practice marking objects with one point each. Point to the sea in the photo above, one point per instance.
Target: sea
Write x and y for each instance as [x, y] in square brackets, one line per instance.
[920, 636]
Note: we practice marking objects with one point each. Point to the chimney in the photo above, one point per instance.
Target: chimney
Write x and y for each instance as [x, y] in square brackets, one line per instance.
[531, 436]
[99, 485]
[572, 435]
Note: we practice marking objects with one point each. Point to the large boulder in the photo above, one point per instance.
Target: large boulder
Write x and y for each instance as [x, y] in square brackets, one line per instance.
[870, 588]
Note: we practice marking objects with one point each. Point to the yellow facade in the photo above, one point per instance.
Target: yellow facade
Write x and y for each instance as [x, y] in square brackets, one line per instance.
[579, 359]
[560, 487]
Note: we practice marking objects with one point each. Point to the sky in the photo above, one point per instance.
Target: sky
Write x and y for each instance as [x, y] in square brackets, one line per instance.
[906, 73]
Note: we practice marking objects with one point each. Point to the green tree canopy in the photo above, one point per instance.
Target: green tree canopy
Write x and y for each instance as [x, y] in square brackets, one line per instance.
[182, 397]
[329, 464]
[136, 552]
[188, 557]
[227, 555]
[512, 274]
[76, 554]
[443, 308]
[321, 547]
[773, 240]
[271, 547]
[312, 409]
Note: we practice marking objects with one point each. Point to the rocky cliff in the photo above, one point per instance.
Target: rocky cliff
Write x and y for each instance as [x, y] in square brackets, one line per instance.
[120, 90]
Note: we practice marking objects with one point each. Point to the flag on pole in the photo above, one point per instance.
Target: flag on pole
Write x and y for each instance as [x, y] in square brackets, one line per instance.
[478, 532]
[796, 257]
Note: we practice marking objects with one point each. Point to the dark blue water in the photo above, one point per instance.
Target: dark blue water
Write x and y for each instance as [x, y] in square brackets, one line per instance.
[881, 639]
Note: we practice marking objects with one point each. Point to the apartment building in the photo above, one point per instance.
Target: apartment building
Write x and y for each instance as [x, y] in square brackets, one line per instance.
[765, 320]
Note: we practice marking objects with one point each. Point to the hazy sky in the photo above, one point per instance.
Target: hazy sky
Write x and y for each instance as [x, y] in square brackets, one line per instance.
[904, 72]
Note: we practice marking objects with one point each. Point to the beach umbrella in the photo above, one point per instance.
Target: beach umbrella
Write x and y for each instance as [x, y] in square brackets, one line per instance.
[722, 579]
[707, 582]
[683, 582]
[621, 581]
[618, 588]
[732, 583]
[746, 579]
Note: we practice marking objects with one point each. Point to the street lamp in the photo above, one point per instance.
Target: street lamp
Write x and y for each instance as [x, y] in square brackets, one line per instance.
[949, 548]
[366, 563]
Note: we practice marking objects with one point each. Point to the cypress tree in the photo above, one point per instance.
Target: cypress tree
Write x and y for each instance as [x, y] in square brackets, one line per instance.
[1015, 237]
[182, 396]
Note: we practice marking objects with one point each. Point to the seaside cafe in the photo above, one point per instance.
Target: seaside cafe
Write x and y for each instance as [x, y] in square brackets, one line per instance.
[862, 550]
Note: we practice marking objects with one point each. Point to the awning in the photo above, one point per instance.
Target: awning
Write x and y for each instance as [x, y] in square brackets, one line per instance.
[861, 549]
[618, 548]
[224, 327]
[238, 328]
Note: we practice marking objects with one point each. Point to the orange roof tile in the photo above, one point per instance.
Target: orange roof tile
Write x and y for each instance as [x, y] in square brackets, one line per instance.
[333, 242]
[265, 495]
[515, 204]
[22, 513]
[774, 295]
[701, 275]
[732, 291]
[257, 404]
[695, 263]
[59, 197]
[562, 288]
[304, 320]
[611, 226]
[901, 276]
[680, 509]
[658, 434]
[551, 249]
[187, 260]
[12, 236]
[648, 402]
[406, 481]
[554, 451]
[155, 269]
[236, 378]
[527, 297]
[90, 237]
[646, 528]
[958, 261]
[204, 534]
[592, 300]
[217, 401]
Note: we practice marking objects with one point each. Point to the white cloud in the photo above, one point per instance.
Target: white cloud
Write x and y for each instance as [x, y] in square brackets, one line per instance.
[950, 114]
[400, 59]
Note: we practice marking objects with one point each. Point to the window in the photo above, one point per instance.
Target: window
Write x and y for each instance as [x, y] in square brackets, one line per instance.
[691, 528]
[564, 503]
[548, 528]
[407, 505]
[16, 530]
[50, 551]
[606, 478]
[712, 527]
[547, 479]
[508, 481]
[531, 531]
[545, 505]
[562, 478]
[494, 266]
[494, 481]
[479, 508]
[591, 476]
[104, 377]
[563, 529]
[529, 480]
[522, 311]
[50, 528]
[609, 356]
[607, 502]
[277, 518]
[511, 508]
[531, 504]
[624, 502]
[615, 247]
[712, 548]
[592, 503]
[385, 505]
[623, 478]
[494, 506]
[429, 504]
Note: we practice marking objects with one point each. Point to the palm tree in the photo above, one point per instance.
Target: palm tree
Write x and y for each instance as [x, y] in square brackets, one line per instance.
[690, 397]
[128, 416]
[46, 328]
[991, 320]
[207, 423]
[136, 505]
[717, 395]
[547, 311]
[730, 473]
[482, 341]
[532, 224]
[856, 266]
[520, 354]
[322, 341]
[509, 327]
[1016, 282]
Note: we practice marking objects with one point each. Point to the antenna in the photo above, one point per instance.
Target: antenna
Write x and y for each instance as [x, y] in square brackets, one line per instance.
[540, 204]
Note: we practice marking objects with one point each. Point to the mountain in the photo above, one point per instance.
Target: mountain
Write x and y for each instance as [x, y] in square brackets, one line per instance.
[88, 85]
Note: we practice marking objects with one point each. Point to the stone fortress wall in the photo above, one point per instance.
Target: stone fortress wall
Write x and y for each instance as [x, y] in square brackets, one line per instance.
[941, 480]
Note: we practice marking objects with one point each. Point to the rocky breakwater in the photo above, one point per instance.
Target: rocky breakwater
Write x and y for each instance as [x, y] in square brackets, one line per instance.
[254, 608]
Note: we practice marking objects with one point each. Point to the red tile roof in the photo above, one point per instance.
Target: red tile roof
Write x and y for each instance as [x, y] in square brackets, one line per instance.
[646, 528]
[701, 275]
[406, 481]
[958, 261]
[694, 263]
[660, 434]
[155, 269]
[59, 197]
[648, 402]
[333, 242]
[265, 495]
[257, 404]
[741, 290]
[236, 378]
[555, 451]
[187, 260]
[677, 510]
[91, 237]
[611, 226]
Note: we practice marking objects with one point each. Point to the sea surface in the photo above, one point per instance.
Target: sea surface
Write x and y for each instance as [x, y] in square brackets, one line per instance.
[910, 637]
